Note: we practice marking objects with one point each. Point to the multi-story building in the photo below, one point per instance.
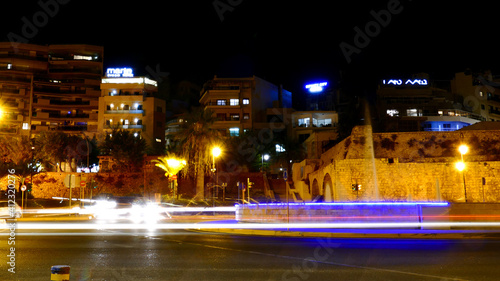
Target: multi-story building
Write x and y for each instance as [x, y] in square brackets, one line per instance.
[480, 93]
[129, 103]
[54, 87]
[241, 104]
[415, 104]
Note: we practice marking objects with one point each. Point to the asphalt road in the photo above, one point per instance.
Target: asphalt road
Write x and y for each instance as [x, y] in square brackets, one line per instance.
[125, 255]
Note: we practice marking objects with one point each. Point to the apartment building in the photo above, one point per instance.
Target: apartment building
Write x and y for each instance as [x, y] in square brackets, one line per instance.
[54, 87]
[418, 104]
[129, 103]
[241, 104]
[480, 93]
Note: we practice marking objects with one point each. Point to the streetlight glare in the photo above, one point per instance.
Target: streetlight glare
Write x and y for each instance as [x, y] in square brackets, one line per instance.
[460, 166]
[266, 157]
[216, 151]
[463, 149]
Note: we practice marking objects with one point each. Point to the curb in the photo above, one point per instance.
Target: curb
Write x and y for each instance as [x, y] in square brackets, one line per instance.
[305, 234]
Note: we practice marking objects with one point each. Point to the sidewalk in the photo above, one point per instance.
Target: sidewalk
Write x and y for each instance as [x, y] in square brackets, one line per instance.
[354, 233]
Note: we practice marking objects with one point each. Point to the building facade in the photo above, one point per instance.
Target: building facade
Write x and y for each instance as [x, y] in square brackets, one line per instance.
[54, 87]
[480, 93]
[416, 104]
[241, 104]
[129, 103]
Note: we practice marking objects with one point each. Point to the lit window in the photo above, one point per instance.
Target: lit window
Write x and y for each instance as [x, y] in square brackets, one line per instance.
[125, 122]
[235, 117]
[246, 116]
[280, 148]
[25, 126]
[246, 101]
[9, 66]
[304, 122]
[136, 120]
[413, 112]
[392, 112]
[234, 132]
[111, 106]
[221, 102]
[79, 57]
[440, 112]
[158, 140]
[234, 102]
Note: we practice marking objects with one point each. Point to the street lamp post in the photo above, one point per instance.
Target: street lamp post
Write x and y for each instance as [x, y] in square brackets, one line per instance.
[216, 151]
[463, 149]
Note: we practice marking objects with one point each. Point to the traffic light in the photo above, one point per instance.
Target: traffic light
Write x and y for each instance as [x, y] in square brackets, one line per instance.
[249, 183]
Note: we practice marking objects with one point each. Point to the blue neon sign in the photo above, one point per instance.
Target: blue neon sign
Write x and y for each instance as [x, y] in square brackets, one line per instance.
[316, 87]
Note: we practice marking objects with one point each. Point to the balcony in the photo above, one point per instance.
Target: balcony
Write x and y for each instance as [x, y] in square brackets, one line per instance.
[494, 111]
[131, 111]
[119, 126]
[65, 116]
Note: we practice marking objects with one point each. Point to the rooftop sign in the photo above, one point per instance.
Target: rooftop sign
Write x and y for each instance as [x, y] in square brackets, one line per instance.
[120, 72]
[399, 82]
[316, 87]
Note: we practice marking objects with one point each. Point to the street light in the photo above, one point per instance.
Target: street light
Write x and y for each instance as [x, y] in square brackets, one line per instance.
[216, 152]
[264, 157]
[463, 149]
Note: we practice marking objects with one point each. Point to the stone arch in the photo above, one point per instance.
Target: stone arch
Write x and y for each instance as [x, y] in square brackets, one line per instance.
[315, 189]
[328, 188]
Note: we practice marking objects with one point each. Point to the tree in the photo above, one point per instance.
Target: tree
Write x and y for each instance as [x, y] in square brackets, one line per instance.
[195, 143]
[16, 153]
[54, 148]
[126, 150]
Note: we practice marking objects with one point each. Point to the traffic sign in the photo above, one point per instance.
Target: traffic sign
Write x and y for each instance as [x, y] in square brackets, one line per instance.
[174, 177]
[83, 183]
[285, 174]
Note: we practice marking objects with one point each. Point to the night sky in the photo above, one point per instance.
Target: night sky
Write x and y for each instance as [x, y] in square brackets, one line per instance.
[286, 42]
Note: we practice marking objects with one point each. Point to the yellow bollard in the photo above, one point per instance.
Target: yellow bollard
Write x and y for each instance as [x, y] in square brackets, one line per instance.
[59, 273]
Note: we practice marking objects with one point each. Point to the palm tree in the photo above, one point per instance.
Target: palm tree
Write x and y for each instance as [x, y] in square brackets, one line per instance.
[195, 143]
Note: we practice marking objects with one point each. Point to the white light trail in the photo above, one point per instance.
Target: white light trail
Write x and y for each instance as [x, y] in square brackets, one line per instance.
[262, 226]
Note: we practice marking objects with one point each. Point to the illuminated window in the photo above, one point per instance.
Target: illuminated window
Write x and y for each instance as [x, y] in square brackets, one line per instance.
[79, 57]
[221, 102]
[246, 116]
[304, 122]
[280, 148]
[235, 117]
[392, 112]
[234, 102]
[234, 132]
[25, 126]
[9, 66]
[246, 101]
[413, 112]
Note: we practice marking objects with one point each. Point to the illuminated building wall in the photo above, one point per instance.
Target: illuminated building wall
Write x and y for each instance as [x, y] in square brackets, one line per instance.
[241, 104]
[54, 87]
[418, 104]
[404, 166]
[129, 103]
